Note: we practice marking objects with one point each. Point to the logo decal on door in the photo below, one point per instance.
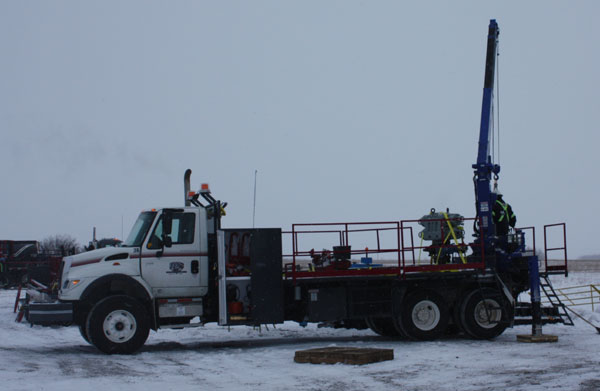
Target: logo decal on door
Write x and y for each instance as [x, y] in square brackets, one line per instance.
[176, 268]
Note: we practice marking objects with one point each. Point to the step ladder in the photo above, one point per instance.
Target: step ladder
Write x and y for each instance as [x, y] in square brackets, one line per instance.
[554, 300]
[555, 312]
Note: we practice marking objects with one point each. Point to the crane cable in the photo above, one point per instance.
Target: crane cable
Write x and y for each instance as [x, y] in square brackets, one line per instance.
[497, 92]
[495, 122]
[497, 112]
[493, 132]
[498, 101]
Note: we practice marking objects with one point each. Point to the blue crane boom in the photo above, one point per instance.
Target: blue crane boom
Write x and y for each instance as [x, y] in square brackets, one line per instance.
[484, 168]
[485, 198]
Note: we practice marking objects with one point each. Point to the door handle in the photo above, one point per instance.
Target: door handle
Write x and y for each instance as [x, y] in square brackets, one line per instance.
[195, 267]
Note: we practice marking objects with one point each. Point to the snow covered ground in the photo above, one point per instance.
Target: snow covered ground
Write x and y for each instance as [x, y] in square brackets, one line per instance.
[213, 358]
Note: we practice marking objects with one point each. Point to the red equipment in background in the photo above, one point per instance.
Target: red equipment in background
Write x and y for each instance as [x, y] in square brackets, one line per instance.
[21, 260]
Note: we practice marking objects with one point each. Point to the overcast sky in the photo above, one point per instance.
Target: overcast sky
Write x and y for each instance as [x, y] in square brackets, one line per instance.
[349, 110]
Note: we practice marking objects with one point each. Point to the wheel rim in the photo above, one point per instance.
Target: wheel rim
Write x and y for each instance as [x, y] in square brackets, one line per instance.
[119, 326]
[488, 313]
[426, 315]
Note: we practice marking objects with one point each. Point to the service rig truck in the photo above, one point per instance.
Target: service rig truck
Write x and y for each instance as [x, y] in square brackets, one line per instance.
[180, 268]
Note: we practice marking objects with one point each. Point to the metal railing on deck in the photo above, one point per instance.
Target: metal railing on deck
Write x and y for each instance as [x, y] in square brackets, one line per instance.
[580, 295]
[401, 253]
[560, 268]
[342, 231]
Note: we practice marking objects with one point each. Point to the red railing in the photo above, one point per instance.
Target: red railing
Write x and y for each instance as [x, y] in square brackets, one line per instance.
[561, 268]
[402, 233]
[342, 231]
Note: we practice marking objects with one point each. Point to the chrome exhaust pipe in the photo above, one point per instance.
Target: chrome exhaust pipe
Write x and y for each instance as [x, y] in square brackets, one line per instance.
[186, 186]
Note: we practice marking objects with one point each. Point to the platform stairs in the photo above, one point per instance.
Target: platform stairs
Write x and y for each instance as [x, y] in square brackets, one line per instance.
[553, 308]
[554, 301]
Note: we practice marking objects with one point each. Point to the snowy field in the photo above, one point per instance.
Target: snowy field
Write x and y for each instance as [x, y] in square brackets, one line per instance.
[214, 358]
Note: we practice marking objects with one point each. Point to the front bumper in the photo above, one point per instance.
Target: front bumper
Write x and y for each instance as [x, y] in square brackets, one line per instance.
[47, 314]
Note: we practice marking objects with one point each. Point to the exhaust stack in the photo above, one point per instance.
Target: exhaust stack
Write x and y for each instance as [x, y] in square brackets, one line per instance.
[186, 186]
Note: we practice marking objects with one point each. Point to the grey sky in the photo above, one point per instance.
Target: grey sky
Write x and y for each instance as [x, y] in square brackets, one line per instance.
[349, 110]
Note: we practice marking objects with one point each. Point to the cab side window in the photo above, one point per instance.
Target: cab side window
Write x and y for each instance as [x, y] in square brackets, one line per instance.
[182, 230]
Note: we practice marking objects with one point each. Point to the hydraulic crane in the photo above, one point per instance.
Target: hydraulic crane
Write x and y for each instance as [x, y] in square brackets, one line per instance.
[485, 169]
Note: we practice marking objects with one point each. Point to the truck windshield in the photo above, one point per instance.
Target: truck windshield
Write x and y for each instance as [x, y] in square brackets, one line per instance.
[139, 230]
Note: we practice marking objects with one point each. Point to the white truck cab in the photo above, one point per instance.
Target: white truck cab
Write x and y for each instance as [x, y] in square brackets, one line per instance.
[178, 268]
[158, 277]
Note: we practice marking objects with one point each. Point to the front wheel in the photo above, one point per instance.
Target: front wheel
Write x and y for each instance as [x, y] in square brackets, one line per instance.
[424, 316]
[118, 324]
[83, 332]
[482, 314]
[3, 281]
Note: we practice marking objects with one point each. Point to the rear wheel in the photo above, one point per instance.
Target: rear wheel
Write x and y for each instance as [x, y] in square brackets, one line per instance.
[382, 326]
[482, 314]
[118, 324]
[424, 316]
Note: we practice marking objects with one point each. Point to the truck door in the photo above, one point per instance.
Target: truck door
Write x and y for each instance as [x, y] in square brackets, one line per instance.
[178, 270]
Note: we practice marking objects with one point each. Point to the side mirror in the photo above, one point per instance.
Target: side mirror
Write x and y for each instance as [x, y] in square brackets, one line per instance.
[167, 226]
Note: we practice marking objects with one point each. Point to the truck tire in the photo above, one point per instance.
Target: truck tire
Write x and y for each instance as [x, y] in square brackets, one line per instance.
[482, 314]
[423, 316]
[382, 326]
[456, 312]
[118, 324]
[83, 332]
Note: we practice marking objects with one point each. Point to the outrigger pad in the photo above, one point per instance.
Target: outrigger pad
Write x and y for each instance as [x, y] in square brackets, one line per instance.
[353, 356]
[537, 338]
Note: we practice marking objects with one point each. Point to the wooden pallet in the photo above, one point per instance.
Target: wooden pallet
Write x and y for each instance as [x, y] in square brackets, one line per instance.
[334, 355]
[537, 338]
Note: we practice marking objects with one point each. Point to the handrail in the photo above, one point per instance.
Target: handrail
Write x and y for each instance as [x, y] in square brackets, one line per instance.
[404, 238]
[564, 266]
[579, 295]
